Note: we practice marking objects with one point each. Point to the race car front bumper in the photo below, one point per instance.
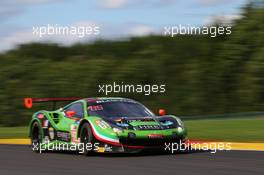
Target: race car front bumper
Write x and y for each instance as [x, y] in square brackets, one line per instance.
[136, 145]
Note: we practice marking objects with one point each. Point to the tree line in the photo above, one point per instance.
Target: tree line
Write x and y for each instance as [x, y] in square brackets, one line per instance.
[203, 75]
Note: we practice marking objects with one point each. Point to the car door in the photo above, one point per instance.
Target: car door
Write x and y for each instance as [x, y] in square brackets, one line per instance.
[72, 113]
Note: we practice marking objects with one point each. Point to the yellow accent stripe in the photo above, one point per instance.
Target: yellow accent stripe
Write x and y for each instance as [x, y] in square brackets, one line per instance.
[234, 145]
[15, 141]
[248, 146]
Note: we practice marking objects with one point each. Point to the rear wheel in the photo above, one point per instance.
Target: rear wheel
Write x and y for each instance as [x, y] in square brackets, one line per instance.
[87, 139]
[35, 137]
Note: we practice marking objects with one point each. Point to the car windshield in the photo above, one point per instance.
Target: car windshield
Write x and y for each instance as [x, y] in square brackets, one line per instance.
[119, 109]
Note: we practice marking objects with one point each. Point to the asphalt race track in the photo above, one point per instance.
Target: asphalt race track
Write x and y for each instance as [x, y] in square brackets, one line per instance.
[20, 160]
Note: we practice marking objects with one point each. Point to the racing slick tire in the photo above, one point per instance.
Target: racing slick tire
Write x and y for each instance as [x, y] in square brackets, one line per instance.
[86, 137]
[36, 138]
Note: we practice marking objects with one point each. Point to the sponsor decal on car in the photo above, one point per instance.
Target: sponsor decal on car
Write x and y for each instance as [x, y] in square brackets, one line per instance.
[148, 127]
[108, 148]
[102, 124]
[51, 133]
[45, 123]
[64, 136]
[155, 136]
[74, 138]
[101, 149]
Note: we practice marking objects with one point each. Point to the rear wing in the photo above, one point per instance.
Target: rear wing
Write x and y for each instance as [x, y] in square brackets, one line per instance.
[28, 102]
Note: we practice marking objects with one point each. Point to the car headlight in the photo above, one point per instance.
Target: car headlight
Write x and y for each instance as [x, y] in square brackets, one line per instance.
[117, 130]
[179, 129]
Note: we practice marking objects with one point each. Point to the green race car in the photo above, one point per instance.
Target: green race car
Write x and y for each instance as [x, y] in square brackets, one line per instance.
[102, 125]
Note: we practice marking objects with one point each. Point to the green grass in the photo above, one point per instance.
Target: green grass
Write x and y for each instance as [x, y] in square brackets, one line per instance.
[13, 132]
[239, 130]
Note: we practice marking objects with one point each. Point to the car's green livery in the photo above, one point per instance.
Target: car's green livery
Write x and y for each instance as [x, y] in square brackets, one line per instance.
[106, 124]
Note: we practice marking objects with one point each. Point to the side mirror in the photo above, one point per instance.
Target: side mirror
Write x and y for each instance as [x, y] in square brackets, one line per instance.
[70, 113]
[162, 112]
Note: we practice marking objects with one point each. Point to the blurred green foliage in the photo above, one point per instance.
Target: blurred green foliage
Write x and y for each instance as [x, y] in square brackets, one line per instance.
[234, 130]
[203, 75]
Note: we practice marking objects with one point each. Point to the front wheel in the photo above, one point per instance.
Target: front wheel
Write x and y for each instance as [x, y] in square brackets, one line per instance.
[87, 139]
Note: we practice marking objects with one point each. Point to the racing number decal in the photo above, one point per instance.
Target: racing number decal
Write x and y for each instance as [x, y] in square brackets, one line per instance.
[95, 108]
